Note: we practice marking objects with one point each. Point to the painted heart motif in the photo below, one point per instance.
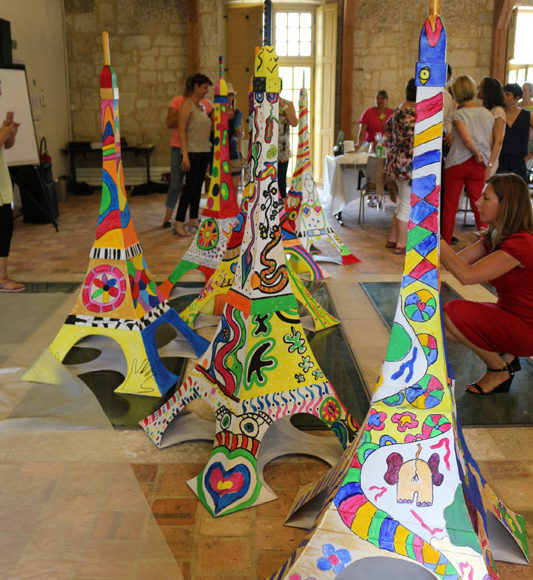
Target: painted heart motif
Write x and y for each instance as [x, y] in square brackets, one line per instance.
[229, 482]
[225, 483]
[317, 208]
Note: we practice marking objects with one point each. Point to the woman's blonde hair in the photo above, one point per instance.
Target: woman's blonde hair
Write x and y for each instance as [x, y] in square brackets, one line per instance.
[514, 212]
[464, 88]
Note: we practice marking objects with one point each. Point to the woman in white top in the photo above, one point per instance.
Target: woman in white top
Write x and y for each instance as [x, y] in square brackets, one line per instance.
[490, 92]
[469, 154]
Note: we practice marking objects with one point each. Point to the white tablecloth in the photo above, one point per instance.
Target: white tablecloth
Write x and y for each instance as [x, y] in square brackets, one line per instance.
[341, 176]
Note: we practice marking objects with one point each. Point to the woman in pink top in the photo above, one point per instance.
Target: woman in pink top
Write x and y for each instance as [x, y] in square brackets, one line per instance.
[373, 120]
[176, 173]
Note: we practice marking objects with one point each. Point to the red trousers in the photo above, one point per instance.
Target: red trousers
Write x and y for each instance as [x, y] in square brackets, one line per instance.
[471, 176]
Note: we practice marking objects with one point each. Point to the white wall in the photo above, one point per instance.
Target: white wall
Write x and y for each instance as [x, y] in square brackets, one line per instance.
[37, 27]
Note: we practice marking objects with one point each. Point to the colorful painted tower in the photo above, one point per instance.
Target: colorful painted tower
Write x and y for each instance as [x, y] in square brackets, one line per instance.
[408, 499]
[303, 206]
[259, 367]
[212, 298]
[209, 245]
[118, 298]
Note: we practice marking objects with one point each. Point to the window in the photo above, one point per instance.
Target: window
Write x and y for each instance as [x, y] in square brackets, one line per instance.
[293, 33]
[521, 64]
[293, 79]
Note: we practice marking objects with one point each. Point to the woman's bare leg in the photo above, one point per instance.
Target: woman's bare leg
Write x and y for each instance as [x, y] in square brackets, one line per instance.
[492, 360]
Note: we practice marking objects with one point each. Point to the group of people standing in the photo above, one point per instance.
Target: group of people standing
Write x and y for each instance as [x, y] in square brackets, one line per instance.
[487, 149]
[479, 140]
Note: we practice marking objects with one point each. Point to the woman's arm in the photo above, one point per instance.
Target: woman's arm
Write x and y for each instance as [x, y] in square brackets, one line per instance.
[497, 139]
[361, 135]
[462, 131]
[172, 118]
[8, 131]
[530, 153]
[473, 265]
[237, 124]
[290, 113]
[184, 115]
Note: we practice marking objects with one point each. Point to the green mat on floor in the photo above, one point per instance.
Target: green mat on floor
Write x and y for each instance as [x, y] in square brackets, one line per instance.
[513, 408]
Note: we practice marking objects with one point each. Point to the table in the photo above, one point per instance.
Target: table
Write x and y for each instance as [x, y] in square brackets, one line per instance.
[75, 150]
[342, 180]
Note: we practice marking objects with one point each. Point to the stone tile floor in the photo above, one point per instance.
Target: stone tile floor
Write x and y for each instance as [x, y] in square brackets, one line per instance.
[249, 545]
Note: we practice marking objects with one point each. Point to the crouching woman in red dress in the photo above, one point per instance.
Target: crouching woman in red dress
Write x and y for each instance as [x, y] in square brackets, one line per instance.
[497, 332]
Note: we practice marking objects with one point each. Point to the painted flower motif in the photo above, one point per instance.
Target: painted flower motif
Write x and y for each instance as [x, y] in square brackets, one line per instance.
[299, 378]
[306, 363]
[263, 231]
[317, 374]
[105, 288]
[295, 341]
[376, 421]
[333, 559]
[410, 438]
[405, 421]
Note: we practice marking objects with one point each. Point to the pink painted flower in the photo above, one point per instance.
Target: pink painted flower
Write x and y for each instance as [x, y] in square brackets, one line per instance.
[405, 421]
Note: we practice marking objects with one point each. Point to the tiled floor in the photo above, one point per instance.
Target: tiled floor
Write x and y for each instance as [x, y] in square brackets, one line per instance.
[245, 546]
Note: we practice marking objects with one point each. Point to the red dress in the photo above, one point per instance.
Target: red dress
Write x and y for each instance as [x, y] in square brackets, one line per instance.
[506, 326]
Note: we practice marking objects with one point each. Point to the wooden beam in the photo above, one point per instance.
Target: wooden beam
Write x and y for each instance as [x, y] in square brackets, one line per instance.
[193, 35]
[348, 30]
[503, 10]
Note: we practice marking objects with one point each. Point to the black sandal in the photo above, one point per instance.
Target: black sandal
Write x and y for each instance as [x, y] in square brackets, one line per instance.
[501, 388]
[514, 365]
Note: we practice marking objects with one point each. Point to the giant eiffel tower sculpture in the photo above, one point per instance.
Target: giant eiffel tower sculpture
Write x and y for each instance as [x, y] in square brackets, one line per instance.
[209, 245]
[407, 499]
[212, 298]
[259, 368]
[303, 206]
[118, 298]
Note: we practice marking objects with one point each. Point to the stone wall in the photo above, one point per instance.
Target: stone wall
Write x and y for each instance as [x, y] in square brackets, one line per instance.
[386, 44]
[37, 30]
[148, 45]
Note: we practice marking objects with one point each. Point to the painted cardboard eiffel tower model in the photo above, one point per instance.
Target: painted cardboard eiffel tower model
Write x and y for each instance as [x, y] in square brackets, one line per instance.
[212, 298]
[303, 206]
[118, 298]
[259, 368]
[408, 500]
[209, 245]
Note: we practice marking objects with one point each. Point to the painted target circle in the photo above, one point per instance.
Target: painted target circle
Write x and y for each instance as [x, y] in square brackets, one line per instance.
[224, 191]
[435, 425]
[104, 288]
[420, 306]
[429, 346]
[330, 410]
[426, 394]
[208, 235]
